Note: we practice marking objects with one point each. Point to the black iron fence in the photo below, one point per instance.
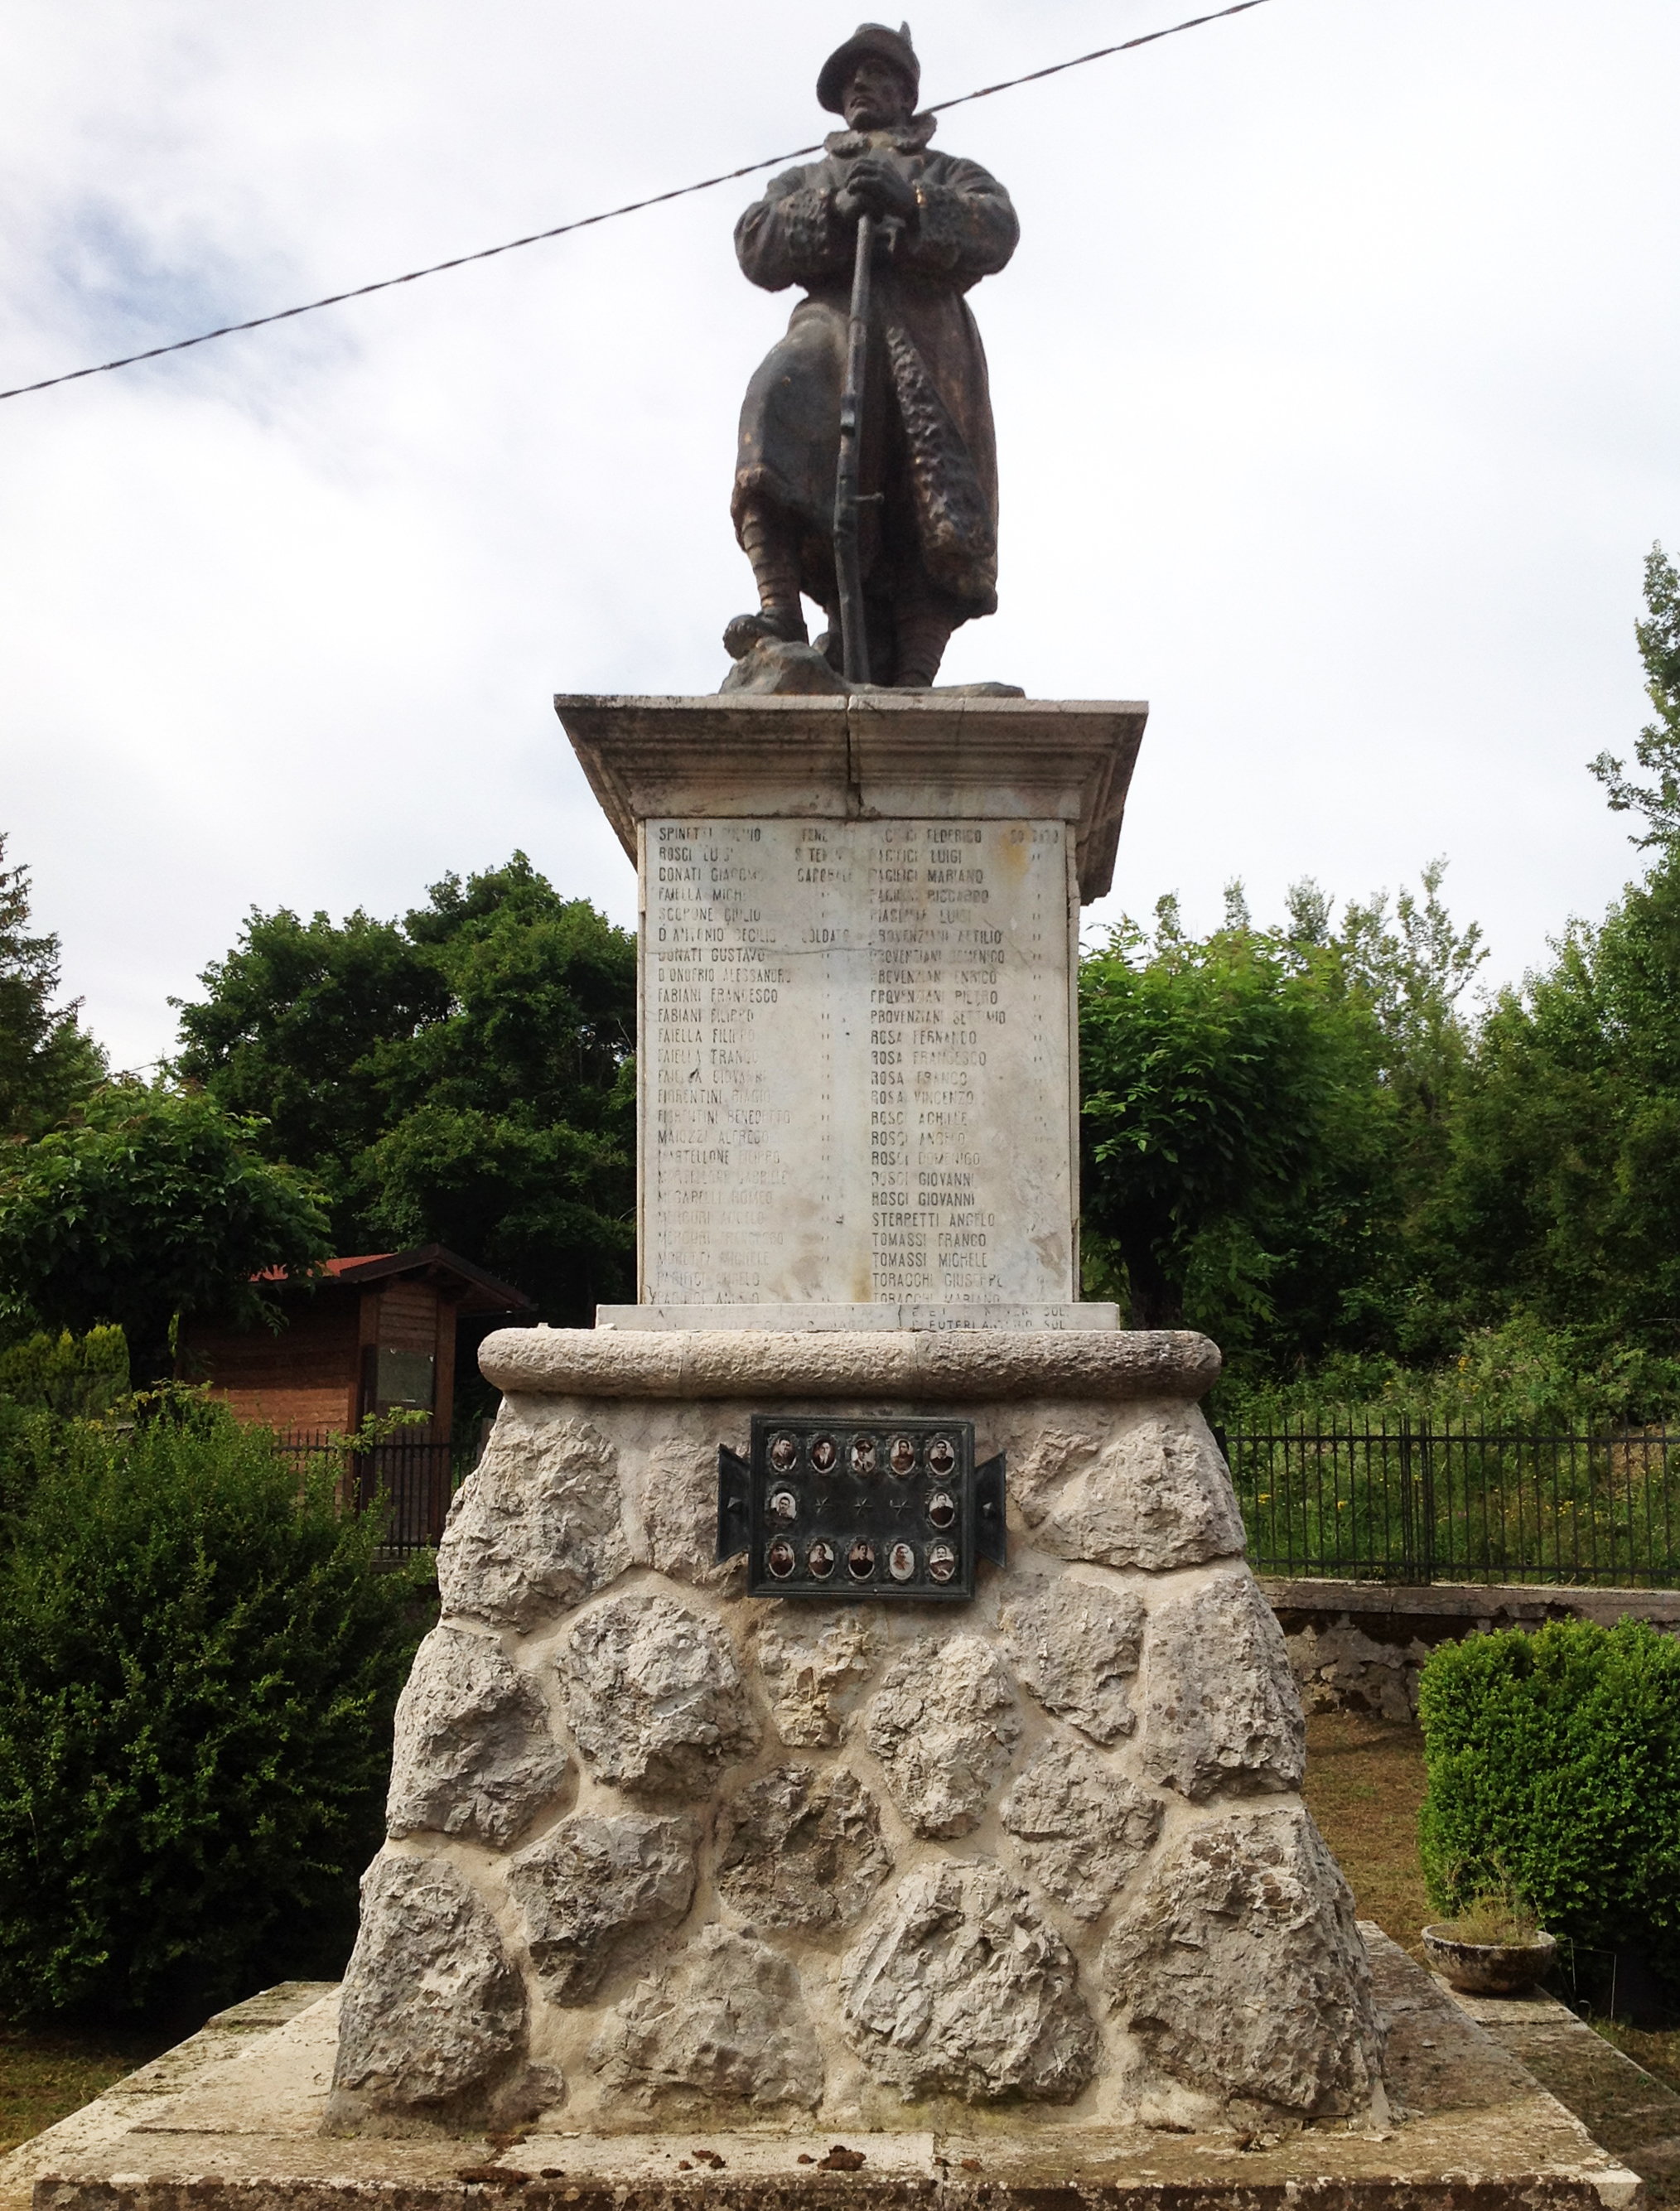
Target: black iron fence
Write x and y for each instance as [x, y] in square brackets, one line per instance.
[1401, 1501]
[1407, 1502]
[412, 1483]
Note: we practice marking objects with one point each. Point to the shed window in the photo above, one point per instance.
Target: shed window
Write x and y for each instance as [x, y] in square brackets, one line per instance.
[405, 1379]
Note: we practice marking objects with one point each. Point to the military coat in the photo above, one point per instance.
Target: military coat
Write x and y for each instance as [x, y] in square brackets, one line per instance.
[928, 445]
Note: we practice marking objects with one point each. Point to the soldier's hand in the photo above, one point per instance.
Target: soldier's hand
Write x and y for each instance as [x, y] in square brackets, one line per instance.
[875, 187]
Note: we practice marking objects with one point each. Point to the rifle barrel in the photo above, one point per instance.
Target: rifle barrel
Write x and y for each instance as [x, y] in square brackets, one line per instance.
[847, 569]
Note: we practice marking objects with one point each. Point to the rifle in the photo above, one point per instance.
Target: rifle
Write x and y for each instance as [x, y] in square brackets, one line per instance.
[854, 636]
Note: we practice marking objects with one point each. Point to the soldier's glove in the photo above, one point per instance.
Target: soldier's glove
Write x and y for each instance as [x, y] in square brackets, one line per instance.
[874, 186]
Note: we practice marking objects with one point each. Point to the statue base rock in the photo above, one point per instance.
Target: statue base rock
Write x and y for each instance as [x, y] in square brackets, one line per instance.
[663, 1853]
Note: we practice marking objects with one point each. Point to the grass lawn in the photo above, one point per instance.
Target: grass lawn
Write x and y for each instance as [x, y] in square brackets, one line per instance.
[1364, 1784]
[1658, 2053]
[46, 2073]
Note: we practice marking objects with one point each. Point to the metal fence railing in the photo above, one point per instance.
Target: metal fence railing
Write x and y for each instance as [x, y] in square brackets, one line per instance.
[415, 1481]
[1406, 1502]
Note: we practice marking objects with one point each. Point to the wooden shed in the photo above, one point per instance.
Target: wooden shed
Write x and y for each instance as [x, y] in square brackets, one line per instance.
[376, 1335]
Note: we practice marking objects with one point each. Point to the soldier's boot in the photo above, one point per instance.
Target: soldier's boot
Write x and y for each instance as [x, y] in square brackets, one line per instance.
[879, 629]
[923, 630]
[773, 549]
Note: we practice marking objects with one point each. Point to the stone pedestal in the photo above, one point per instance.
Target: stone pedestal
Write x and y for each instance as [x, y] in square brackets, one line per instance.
[857, 1030]
[877, 1853]
[661, 1852]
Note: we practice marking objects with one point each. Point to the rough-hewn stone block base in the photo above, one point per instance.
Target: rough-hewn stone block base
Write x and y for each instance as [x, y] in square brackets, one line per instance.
[662, 1853]
[244, 2134]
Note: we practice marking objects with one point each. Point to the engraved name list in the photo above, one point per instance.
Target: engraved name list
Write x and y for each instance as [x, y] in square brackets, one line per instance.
[856, 1034]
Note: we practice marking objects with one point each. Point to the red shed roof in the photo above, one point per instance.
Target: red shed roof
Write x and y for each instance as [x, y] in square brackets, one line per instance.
[477, 1292]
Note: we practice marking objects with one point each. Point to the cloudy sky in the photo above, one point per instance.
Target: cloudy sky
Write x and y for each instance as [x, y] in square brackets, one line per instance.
[1336, 382]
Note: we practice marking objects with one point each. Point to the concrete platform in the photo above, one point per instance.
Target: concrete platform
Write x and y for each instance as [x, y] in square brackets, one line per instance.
[229, 2036]
[1634, 2115]
[233, 2118]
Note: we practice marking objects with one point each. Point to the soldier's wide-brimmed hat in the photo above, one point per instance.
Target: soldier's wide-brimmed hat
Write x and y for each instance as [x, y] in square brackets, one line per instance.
[868, 41]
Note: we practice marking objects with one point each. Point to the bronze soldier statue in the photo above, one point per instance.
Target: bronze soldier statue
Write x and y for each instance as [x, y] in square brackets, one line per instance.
[928, 513]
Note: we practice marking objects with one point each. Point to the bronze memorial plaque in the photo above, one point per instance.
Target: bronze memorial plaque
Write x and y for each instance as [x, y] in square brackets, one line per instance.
[830, 1509]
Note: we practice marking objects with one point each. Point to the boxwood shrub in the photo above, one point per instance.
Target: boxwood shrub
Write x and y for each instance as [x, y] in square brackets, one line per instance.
[198, 1666]
[1553, 1769]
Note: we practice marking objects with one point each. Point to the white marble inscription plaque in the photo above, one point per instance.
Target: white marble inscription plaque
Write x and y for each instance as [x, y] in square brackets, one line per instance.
[855, 1062]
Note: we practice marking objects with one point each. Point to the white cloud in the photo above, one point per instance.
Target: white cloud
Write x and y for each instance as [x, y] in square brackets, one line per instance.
[1334, 380]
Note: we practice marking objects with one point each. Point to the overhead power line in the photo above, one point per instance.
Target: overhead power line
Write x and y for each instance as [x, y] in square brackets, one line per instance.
[608, 214]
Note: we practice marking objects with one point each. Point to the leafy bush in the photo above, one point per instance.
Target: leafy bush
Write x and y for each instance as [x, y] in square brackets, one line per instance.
[1522, 1375]
[28, 1442]
[1554, 1769]
[198, 1666]
[83, 1375]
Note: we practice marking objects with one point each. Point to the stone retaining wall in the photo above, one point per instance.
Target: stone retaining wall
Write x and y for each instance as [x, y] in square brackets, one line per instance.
[1361, 1646]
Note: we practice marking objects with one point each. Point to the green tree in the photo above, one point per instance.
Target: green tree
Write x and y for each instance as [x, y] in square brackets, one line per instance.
[1560, 1195]
[307, 1025]
[199, 1662]
[1544, 1207]
[153, 1202]
[1658, 746]
[1266, 1112]
[464, 1075]
[1536, 1274]
[1412, 972]
[1238, 1140]
[48, 1060]
[1301, 1140]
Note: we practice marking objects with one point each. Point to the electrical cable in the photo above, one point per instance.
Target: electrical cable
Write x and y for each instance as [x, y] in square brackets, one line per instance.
[610, 214]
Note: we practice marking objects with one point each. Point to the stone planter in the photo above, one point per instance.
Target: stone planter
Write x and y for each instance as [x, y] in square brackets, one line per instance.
[1488, 1969]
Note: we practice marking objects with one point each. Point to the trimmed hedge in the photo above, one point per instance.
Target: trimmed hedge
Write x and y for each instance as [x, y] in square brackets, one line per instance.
[198, 1666]
[1554, 1769]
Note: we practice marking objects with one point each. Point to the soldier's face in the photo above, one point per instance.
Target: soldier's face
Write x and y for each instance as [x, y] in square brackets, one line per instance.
[876, 97]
